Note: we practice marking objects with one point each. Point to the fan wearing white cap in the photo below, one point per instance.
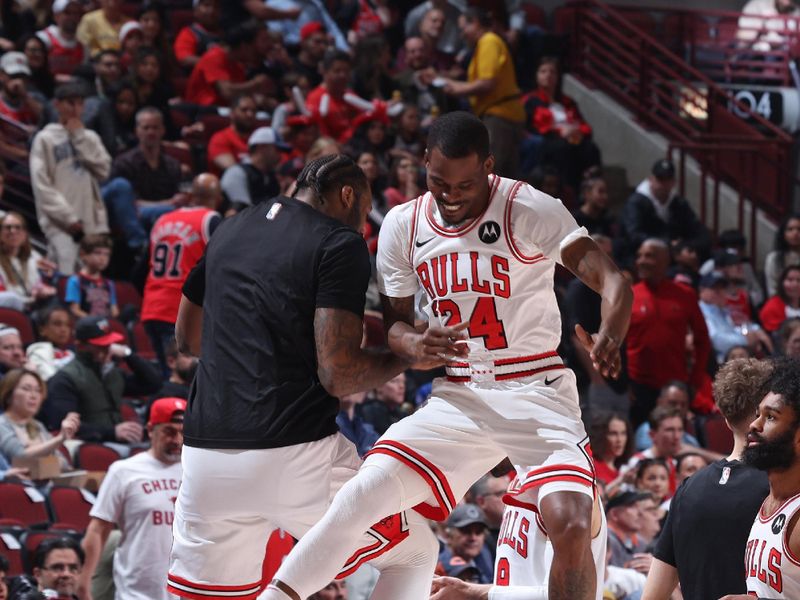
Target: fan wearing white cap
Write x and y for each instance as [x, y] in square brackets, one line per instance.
[64, 52]
[15, 101]
[254, 179]
[12, 355]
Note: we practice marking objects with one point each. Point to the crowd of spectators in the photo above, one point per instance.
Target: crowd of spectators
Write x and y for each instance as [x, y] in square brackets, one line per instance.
[125, 104]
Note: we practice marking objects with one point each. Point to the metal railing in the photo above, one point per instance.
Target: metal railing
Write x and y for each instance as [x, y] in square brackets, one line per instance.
[611, 53]
[726, 46]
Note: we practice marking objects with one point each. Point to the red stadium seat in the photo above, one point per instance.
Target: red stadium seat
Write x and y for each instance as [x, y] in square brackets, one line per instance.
[141, 342]
[180, 18]
[32, 539]
[718, 437]
[213, 123]
[25, 503]
[127, 294]
[19, 320]
[129, 413]
[181, 154]
[70, 507]
[95, 457]
[11, 548]
[534, 15]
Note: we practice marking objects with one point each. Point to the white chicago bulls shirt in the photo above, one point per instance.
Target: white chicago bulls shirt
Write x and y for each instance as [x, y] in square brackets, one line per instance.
[138, 494]
[771, 569]
[495, 271]
[525, 553]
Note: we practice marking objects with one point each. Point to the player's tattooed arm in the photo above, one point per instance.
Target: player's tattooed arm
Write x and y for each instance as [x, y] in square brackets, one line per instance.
[343, 366]
[422, 345]
[189, 327]
[594, 268]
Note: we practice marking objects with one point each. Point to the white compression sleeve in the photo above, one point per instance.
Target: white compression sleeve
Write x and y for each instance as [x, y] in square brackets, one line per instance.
[370, 496]
[518, 592]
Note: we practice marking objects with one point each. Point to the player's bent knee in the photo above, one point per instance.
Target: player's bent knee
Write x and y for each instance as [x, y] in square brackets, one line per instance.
[568, 517]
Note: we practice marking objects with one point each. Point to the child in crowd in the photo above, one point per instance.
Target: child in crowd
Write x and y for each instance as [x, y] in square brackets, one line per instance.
[52, 351]
[88, 292]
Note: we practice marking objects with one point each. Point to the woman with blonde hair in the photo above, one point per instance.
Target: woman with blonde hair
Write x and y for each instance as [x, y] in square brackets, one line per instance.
[22, 393]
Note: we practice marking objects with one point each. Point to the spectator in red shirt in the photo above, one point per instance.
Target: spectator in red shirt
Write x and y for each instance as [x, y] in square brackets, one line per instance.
[611, 438]
[786, 303]
[663, 312]
[326, 101]
[194, 40]
[65, 52]
[229, 145]
[220, 74]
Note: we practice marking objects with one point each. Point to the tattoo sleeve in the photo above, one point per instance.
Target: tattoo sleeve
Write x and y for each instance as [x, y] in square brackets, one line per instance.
[343, 366]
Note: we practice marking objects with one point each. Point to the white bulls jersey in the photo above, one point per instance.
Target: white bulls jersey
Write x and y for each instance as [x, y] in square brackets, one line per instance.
[495, 272]
[525, 553]
[771, 569]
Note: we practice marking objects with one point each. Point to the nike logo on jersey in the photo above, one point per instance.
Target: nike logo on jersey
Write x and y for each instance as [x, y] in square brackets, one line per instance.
[419, 244]
[551, 381]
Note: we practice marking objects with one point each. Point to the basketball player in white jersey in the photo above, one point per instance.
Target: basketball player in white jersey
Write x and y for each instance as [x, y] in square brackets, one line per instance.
[524, 556]
[772, 556]
[483, 249]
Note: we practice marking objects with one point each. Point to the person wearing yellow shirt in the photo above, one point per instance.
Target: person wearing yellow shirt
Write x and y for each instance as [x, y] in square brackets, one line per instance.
[99, 29]
[492, 89]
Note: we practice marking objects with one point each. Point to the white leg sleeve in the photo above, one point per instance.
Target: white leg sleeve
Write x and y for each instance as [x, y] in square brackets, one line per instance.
[373, 494]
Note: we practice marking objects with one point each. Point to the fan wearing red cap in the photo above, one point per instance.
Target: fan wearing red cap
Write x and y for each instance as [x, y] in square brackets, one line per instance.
[93, 385]
[138, 495]
[314, 42]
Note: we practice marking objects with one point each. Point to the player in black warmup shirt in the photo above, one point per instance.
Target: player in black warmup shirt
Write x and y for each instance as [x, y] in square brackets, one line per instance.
[279, 297]
[702, 544]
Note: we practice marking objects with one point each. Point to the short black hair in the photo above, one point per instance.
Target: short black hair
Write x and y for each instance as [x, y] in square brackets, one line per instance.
[785, 380]
[329, 173]
[58, 543]
[234, 103]
[333, 55]
[75, 88]
[242, 33]
[474, 13]
[459, 134]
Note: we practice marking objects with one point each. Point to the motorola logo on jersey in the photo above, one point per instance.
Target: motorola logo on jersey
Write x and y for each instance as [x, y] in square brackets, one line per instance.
[489, 232]
[778, 523]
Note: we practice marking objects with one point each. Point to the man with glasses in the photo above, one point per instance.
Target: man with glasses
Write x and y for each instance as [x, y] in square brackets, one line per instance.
[57, 563]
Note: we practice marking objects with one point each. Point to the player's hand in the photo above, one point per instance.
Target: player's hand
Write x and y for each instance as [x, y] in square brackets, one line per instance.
[640, 562]
[129, 432]
[603, 350]
[450, 588]
[437, 344]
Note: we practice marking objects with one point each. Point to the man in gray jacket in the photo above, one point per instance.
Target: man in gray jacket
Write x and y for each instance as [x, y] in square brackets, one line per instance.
[67, 163]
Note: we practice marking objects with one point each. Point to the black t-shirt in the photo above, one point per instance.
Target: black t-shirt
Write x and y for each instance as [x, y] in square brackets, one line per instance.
[707, 527]
[265, 272]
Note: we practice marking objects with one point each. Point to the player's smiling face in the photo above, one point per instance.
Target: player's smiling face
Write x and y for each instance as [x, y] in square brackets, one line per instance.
[460, 186]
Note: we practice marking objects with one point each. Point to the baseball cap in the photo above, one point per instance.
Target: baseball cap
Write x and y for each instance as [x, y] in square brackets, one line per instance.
[466, 514]
[266, 135]
[732, 238]
[60, 6]
[164, 410]
[7, 330]
[310, 29]
[713, 279]
[457, 565]
[129, 28]
[72, 89]
[97, 331]
[663, 169]
[15, 63]
[626, 498]
[726, 258]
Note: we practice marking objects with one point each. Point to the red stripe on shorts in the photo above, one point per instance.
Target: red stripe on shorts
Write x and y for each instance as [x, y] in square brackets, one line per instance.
[204, 591]
[428, 471]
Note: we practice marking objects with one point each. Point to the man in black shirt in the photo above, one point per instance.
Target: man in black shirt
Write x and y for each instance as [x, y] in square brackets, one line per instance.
[720, 501]
[280, 298]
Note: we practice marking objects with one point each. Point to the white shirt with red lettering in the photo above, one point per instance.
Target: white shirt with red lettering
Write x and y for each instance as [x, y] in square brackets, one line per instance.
[771, 569]
[495, 271]
[138, 494]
